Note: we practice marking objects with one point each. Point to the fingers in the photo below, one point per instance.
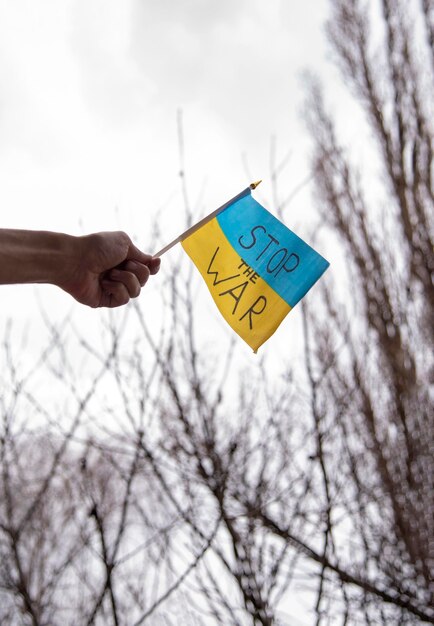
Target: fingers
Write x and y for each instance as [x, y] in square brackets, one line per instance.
[140, 271]
[122, 284]
[154, 265]
[125, 280]
[132, 280]
[134, 254]
[113, 293]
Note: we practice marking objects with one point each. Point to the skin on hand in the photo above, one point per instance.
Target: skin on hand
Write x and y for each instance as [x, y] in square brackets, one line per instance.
[106, 270]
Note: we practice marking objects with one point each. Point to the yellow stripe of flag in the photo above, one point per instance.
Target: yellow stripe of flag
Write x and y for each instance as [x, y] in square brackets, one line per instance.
[249, 305]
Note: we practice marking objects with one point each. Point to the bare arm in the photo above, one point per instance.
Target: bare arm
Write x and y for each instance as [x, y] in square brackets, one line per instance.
[102, 269]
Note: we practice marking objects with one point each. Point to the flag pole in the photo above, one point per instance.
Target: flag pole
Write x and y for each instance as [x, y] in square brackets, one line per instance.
[207, 218]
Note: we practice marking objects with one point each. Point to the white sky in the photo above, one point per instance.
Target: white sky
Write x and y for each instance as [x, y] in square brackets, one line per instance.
[89, 91]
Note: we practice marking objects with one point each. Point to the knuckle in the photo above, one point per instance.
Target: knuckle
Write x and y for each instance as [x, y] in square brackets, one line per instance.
[123, 237]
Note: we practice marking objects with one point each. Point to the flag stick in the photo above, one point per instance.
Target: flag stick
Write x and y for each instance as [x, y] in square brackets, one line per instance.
[206, 219]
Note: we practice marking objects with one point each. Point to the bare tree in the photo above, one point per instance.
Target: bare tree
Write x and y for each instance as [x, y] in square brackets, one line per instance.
[85, 531]
[369, 353]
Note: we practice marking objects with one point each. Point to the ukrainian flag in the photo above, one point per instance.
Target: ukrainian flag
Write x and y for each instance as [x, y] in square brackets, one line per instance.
[255, 267]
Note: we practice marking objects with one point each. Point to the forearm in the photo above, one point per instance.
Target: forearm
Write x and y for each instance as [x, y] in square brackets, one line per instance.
[34, 256]
[100, 269]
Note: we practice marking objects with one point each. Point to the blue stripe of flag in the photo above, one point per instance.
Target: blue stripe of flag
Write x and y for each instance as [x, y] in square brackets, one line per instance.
[288, 264]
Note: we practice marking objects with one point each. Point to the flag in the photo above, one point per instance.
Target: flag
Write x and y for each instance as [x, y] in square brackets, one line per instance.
[256, 269]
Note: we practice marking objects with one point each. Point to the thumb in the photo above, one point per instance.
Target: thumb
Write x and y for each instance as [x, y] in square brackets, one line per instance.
[135, 254]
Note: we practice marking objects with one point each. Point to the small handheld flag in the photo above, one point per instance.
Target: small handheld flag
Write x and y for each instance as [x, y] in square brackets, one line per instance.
[256, 269]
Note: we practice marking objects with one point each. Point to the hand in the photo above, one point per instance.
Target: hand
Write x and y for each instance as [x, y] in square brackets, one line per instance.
[106, 270]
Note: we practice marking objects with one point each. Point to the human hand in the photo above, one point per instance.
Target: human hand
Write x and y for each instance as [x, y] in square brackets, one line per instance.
[106, 270]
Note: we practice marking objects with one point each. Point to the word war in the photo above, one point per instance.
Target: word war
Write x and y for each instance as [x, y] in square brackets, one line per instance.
[237, 291]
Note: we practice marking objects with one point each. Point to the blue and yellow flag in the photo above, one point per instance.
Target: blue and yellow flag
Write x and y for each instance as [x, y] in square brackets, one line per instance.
[255, 267]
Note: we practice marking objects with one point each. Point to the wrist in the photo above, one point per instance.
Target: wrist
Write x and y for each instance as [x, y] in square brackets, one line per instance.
[64, 258]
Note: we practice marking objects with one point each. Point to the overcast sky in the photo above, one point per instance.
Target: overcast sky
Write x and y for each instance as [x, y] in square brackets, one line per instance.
[90, 90]
[89, 94]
